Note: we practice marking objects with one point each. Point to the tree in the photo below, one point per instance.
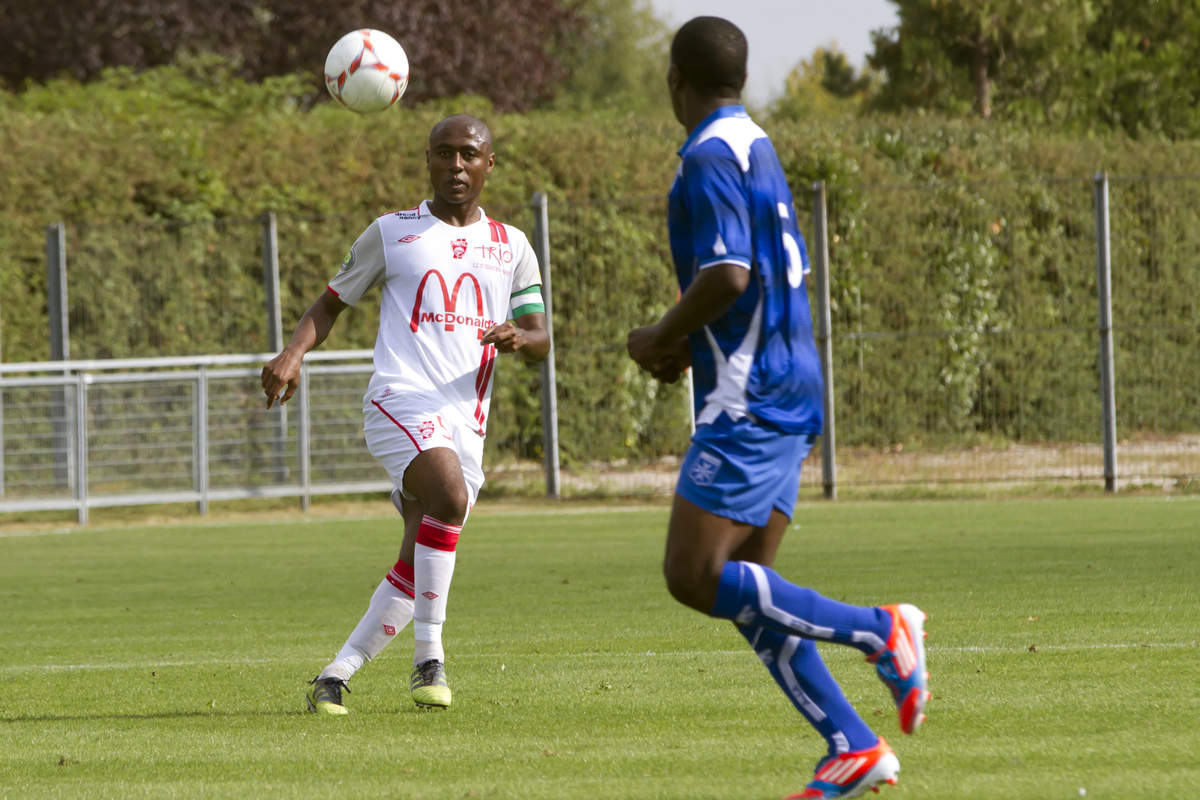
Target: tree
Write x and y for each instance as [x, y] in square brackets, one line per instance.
[619, 61]
[951, 55]
[1143, 74]
[1128, 64]
[826, 84]
[501, 49]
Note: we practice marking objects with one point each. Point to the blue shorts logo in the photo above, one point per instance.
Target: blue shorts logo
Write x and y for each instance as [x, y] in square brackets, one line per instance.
[704, 469]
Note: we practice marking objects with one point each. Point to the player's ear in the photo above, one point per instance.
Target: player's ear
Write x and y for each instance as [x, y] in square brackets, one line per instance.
[491, 161]
[674, 78]
[426, 158]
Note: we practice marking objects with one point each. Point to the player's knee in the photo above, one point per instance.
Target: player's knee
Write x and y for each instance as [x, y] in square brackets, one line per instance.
[691, 583]
[450, 506]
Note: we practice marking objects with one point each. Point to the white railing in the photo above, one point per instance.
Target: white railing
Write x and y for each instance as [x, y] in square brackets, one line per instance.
[88, 434]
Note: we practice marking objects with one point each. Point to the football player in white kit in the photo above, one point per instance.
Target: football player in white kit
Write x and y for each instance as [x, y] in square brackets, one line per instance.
[458, 288]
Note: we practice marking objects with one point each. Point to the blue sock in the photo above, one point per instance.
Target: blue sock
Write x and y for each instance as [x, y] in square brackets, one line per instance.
[801, 673]
[751, 594]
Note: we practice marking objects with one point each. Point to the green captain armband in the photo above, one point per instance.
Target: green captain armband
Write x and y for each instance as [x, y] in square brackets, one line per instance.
[526, 301]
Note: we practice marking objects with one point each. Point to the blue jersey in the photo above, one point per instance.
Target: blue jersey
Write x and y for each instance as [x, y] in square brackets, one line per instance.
[731, 204]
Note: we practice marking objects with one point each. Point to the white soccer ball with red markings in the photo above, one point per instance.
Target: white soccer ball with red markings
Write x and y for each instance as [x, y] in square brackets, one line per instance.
[366, 71]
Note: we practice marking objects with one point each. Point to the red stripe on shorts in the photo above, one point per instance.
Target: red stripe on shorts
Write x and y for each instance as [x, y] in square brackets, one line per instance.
[398, 425]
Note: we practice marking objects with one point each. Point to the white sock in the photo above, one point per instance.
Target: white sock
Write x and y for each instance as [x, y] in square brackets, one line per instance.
[389, 612]
[433, 568]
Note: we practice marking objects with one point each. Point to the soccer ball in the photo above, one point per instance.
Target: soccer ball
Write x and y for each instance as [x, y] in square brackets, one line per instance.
[366, 70]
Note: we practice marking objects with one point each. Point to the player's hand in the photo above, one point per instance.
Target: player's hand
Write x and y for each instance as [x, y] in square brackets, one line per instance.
[670, 370]
[506, 337]
[665, 362]
[282, 371]
[671, 366]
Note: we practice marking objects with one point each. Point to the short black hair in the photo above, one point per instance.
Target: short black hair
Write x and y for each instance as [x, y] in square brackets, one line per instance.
[710, 54]
[475, 124]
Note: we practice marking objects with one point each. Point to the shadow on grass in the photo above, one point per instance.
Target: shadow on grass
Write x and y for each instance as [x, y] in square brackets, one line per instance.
[380, 712]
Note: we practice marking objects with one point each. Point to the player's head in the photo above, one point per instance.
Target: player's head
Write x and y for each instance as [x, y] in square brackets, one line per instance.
[708, 57]
[459, 157]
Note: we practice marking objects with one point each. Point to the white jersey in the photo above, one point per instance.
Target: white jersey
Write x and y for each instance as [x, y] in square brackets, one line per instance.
[443, 286]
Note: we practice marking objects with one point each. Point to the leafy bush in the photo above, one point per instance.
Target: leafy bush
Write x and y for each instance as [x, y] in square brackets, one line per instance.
[963, 253]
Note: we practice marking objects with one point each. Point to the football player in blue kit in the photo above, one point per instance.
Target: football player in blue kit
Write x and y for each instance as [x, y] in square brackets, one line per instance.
[743, 325]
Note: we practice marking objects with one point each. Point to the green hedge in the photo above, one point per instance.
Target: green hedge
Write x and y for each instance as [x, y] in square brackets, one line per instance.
[963, 252]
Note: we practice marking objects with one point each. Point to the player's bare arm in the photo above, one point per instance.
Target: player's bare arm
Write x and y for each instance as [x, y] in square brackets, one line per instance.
[284, 369]
[660, 348]
[527, 336]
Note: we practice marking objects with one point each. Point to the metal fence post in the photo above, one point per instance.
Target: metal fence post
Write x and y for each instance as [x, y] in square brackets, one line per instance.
[81, 446]
[541, 246]
[1, 409]
[303, 441]
[1108, 398]
[690, 384]
[824, 338]
[60, 350]
[201, 446]
[56, 291]
[1, 443]
[270, 249]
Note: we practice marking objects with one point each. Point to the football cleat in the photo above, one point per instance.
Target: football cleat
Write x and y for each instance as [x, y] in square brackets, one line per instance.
[901, 664]
[324, 696]
[428, 684]
[851, 774]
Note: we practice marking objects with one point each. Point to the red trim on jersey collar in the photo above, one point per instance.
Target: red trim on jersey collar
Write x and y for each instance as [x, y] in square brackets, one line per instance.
[498, 233]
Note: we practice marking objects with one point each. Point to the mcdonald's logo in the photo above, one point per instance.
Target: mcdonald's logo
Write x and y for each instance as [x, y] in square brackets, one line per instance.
[450, 316]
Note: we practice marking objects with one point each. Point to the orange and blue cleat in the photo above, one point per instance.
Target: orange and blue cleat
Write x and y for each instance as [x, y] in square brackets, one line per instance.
[901, 664]
[851, 774]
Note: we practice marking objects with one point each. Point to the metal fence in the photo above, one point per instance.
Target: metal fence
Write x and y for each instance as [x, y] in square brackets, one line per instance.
[966, 344]
[81, 435]
[1003, 352]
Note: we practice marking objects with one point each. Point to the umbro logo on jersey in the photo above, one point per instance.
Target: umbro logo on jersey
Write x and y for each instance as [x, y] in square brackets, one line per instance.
[458, 247]
[429, 595]
[412, 237]
[390, 630]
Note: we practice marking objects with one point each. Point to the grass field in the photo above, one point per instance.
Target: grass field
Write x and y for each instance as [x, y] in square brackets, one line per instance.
[170, 660]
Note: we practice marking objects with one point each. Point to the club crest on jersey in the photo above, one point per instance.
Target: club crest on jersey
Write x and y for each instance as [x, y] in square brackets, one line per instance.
[450, 316]
[704, 469]
[458, 247]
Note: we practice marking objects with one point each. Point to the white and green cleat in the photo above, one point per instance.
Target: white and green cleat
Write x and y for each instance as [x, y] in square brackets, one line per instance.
[428, 684]
[324, 696]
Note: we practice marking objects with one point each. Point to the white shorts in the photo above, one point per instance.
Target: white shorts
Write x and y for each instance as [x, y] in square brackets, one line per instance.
[399, 427]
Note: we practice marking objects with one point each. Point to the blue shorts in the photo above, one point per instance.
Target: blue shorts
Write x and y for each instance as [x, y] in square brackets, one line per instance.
[742, 470]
